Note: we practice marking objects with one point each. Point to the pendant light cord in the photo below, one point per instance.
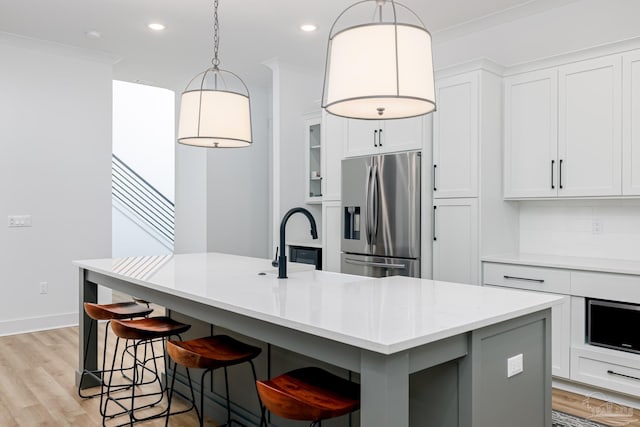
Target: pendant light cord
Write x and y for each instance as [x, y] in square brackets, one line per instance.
[216, 36]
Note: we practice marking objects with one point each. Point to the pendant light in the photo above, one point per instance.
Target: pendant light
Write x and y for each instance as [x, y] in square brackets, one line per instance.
[380, 69]
[215, 109]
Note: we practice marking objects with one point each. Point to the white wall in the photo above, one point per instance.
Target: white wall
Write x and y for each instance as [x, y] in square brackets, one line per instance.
[56, 166]
[300, 93]
[130, 239]
[238, 189]
[601, 229]
[574, 26]
[143, 132]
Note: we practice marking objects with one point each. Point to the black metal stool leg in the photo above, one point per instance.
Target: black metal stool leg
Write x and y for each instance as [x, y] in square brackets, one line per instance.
[173, 382]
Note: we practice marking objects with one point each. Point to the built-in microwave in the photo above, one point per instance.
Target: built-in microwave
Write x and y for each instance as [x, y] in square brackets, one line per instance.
[613, 324]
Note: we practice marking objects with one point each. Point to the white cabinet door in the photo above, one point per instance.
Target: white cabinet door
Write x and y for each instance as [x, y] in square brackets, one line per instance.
[455, 240]
[590, 122]
[383, 136]
[331, 236]
[561, 338]
[455, 137]
[631, 124]
[333, 137]
[401, 135]
[362, 137]
[531, 135]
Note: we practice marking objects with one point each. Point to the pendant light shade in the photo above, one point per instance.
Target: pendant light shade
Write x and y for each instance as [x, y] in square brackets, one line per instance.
[379, 70]
[214, 114]
[215, 107]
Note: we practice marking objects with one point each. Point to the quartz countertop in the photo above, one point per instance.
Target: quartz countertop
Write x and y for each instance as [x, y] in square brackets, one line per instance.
[385, 315]
[567, 262]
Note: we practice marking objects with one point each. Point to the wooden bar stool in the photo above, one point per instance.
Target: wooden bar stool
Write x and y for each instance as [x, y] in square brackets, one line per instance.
[108, 312]
[210, 353]
[143, 331]
[308, 394]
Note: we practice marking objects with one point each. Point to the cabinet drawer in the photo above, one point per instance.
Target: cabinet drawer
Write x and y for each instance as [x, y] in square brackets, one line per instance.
[524, 277]
[614, 373]
[609, 286]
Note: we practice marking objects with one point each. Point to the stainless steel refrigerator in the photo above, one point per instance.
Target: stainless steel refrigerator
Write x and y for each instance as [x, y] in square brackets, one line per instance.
[381, 215]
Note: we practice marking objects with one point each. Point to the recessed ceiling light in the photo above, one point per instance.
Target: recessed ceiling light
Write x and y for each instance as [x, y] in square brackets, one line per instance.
[156, 27]
[308, 27]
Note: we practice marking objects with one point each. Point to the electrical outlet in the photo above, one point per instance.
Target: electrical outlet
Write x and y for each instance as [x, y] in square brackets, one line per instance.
[44, 288]
[596, 226]
[515, 365]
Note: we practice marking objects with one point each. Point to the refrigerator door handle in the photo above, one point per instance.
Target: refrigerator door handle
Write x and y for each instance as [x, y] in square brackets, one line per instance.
[375, 203]
[367, 216]
[375, 264]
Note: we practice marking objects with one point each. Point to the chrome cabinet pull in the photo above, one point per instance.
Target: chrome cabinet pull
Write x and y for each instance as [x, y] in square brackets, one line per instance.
[524, 278]
[375, 136]
[379, 137]
[560, 173]
[553, 163]
[610, 372]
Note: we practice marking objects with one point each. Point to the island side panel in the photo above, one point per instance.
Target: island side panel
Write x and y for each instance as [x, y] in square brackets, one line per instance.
[88, 345]
[487, 396]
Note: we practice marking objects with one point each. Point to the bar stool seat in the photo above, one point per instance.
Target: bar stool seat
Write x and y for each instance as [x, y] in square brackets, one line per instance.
[309, 394]
[148, 328]
[119, 310]
[213, 352]
[143, 331]
[209, 353]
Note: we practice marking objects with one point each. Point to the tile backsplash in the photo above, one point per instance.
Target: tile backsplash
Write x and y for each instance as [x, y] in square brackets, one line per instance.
[585, 228]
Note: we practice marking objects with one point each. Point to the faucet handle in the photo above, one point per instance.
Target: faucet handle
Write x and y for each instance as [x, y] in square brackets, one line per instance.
[275, 260]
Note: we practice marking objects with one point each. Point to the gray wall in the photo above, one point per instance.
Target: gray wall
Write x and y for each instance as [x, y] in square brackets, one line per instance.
[238, 190]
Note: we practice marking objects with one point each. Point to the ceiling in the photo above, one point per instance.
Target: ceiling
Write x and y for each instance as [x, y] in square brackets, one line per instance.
[252, 31]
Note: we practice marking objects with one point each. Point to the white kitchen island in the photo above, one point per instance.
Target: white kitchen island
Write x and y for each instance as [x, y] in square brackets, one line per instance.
[390, 331]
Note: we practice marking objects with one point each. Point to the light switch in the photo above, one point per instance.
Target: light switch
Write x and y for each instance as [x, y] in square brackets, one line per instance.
[19, 221]
[514, 365]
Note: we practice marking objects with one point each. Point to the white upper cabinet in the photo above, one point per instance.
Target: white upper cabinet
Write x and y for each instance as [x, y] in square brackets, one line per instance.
[366, 137]
[531, 135]
[362, 137]
[401, 135]
[631, 124]
[563, 131]
[589, 125]
[455, 137]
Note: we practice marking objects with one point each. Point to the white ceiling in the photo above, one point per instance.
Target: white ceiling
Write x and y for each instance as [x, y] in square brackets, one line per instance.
[252, 31]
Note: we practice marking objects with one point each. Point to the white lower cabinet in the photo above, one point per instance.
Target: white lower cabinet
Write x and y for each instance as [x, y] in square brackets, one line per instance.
[539, 279]
[455, 240]
[607, 369]
[561, 338]
[331, 227]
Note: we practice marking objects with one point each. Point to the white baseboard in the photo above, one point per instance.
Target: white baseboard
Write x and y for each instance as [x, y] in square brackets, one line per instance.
[33, 324]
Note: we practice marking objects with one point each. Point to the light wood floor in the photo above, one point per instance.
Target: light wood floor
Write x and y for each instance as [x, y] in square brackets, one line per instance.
[37, 384]
[37, 387]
